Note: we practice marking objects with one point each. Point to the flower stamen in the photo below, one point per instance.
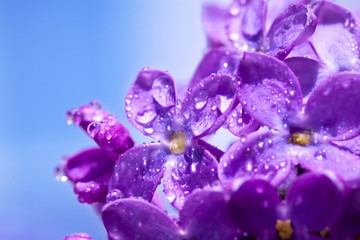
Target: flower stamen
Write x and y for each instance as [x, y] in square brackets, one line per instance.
[284, 229]
[301, 139]
[177, 143]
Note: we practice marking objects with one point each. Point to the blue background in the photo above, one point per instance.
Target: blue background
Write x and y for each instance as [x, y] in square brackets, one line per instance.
[56, 55]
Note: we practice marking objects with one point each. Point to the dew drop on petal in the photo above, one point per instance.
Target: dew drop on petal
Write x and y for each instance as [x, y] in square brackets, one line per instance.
[93, 128]
[145, 116]
[114, 195]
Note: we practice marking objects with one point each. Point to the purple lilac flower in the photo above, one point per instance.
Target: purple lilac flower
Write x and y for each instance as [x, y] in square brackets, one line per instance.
[90, 170]
[184, 160]
[304, 135]
[78, 236]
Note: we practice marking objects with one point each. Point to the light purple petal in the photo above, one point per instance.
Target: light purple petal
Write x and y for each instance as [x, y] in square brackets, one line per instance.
[150, 103]
[216, 60]
[268, 90]
[207, 105]
[204, 216]
[138, 171]
[313, 201]
[135, 219]
[332, 110]
[78, 236]
[87, 165]
[258, 154]
[253, 207]
[290, 28]
[93, 191]
[337, 37]
[194, 169]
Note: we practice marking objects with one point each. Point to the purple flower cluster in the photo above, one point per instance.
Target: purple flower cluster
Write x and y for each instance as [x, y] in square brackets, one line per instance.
[285, 80]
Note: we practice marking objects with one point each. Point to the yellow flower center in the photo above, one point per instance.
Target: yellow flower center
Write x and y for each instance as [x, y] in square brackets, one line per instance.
[177, 143]
[284, 229]
[301, 139]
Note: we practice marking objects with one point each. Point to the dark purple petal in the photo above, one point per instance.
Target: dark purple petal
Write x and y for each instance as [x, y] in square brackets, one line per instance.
[347, 225]
[216, 60]
[217, 153]
[87, 165]
[111, 136]
[332, 110]
[204, 215]
[93, 191]
[194, 169]
[150, 103]
[352, 144]
[305, 49]
[138, 172]
[291, 28]
[78, 236]
[135, 219]
[307, 72]
[268, 90]
[258, 154]
[253, 207]
[337, 37]
[314, 201]
[207, 105]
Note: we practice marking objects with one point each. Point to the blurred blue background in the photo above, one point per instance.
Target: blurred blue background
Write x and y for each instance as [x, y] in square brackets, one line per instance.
[59, 54]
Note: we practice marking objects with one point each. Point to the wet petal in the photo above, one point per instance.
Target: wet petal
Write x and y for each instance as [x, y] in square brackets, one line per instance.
[194, 169]
[136, 219]
[215, 60]
[332, 110]
[93, 191]
[290, 28]
[268, 90]
[78, 236]
[258, 154]
[314, 201]
[87, 165]
[253, 207]
[207, 105]
[217, 153]
[138, 171]
[341, 51]
[204, 215]
[150, 103]
[347, 225]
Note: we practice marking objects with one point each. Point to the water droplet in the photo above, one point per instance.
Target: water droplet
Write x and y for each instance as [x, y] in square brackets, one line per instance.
[320, 154]
[145, 116]
[201, 99]
[93, 128]
[149, 130]
[59, 174]
[243, 139]
[114, 195]
[70, 116]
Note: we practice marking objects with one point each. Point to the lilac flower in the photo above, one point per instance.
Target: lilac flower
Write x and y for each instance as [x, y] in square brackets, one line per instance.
[90, 170]
[78, 236]
[184, 160]
[271, 94]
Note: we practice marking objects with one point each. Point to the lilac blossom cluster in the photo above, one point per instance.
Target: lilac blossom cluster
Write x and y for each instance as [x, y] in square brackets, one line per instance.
[282, 78]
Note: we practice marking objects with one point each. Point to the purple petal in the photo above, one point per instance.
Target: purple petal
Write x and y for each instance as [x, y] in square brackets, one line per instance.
[336, 38]
[150, 103]
[78, 236]
[292, 27]
[139, 171]
[136, 219]
[194, 169]
[332, 110]
[207, 105]
[305, 49]
[268, 90]
[93, 191]
[347, 225]
[313, 201]
[253, 207]
[258, 154]
[87, 165]
[215, 60]
[217, 153]
[203, 217]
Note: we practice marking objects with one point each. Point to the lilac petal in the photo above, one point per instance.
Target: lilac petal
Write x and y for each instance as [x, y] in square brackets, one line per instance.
[93, 191]
[217, 153]
[111, 136]
[314, 201]
[132, 219]
[347, 225]
[291, 28]
[207, 105]
[306, 71]
[216, 60]
[253, 207]
[341, 51]
[268, 90]
[87, 165]
[78, 236]
[332, 110]
[150, 103]
[305, 49]
[258, 154]
[204, 215]
[194, 169]
[138, 171]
